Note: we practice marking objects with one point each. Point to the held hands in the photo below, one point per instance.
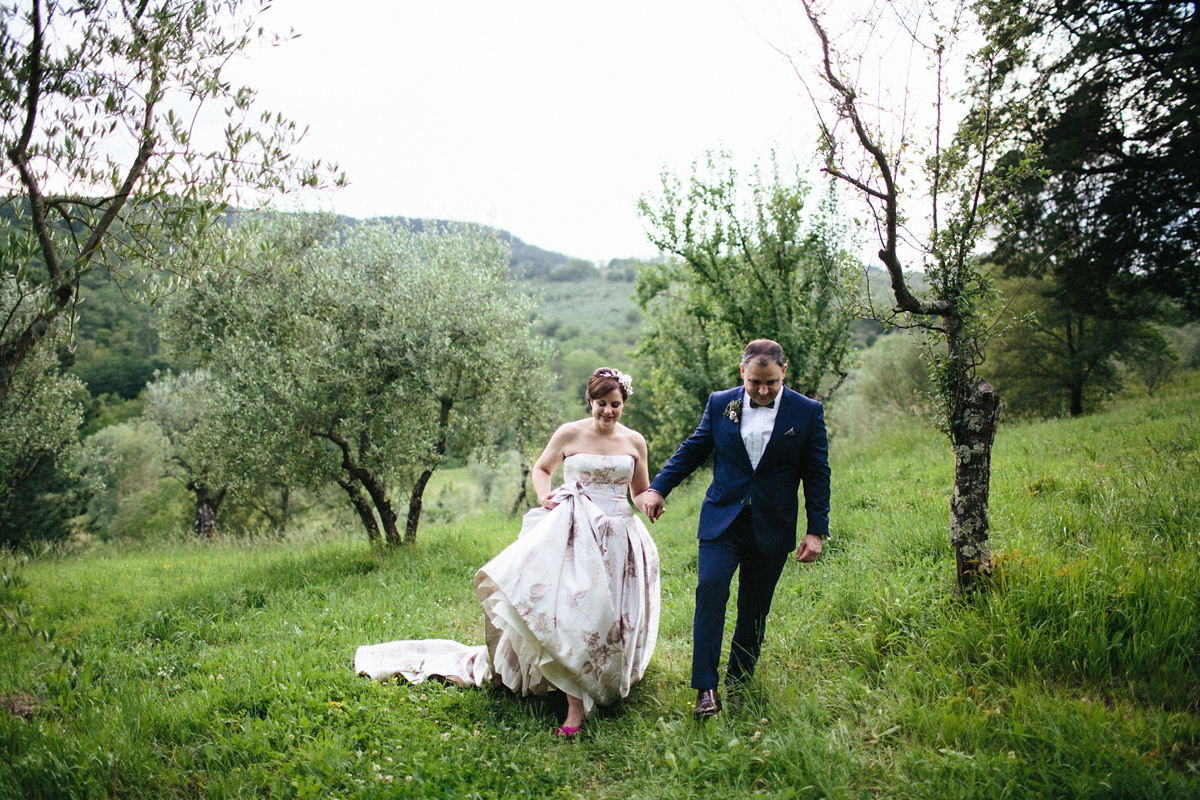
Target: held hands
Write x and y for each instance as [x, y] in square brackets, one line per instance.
[809, 549]
[651, 504]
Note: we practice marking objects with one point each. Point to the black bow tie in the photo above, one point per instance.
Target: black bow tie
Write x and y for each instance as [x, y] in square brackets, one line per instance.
[762, 405]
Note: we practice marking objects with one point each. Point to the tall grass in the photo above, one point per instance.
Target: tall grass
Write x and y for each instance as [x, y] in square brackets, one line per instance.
[224, 671]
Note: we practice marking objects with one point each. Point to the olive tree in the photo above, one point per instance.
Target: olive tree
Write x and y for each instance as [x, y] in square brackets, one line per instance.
[380, 356]
[182, 407]
[952, 184]
[122, 146]
[38, 424]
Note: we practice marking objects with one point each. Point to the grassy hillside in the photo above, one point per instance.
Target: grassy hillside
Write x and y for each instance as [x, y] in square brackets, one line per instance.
[224, 671]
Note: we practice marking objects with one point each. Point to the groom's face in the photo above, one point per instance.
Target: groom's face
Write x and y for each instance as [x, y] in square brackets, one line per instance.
[762, 381]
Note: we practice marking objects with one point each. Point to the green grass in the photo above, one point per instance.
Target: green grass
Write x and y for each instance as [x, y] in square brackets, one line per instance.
[225, 671]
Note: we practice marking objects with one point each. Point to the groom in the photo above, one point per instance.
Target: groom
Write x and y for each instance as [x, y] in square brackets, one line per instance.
[767, 440]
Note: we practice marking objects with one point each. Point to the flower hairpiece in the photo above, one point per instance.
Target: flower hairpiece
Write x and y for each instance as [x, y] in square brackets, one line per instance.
[626, 381]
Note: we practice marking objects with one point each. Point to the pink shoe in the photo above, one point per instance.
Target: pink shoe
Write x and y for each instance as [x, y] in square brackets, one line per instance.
[567, 732]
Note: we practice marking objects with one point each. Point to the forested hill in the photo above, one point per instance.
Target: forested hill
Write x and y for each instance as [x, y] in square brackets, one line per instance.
[528, 261]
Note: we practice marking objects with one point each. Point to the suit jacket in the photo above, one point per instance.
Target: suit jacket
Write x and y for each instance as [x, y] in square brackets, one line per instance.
[798, 452]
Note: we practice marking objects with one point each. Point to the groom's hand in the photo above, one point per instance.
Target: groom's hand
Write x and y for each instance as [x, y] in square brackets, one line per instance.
[809, 549]
[651, 503]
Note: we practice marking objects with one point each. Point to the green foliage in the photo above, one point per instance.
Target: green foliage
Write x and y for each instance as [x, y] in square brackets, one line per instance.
[38, 421]
[574, 270]
[890, 383]
[126, 464]
[224, 669]
[603, 336]
[751, 259]
[1107, 90]
[104, 164]
[372, 362]
[115, 344]
[1054, 361]
[1107, 232]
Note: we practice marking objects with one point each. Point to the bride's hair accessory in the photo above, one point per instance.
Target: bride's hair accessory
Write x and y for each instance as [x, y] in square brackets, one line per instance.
[604, 374]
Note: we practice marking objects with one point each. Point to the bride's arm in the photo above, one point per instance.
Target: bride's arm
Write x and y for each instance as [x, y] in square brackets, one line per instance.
[548, 461]
[641, 473]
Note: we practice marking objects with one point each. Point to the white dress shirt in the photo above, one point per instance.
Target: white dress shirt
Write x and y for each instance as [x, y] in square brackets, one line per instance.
[757, 424]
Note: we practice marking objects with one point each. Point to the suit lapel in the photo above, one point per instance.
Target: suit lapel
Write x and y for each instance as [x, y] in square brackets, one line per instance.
[735, 428]
[786, 405]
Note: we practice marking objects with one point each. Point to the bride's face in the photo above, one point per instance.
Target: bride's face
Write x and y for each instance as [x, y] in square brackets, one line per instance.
[606, 410]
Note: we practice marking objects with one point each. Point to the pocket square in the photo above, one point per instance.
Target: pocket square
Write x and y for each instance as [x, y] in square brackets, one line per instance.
[790, 432]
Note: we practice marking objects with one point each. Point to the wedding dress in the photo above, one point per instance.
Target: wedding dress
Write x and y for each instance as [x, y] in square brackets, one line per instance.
[572, 604]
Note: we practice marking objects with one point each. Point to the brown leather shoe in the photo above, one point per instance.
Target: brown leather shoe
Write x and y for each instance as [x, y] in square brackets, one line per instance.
[707, 704]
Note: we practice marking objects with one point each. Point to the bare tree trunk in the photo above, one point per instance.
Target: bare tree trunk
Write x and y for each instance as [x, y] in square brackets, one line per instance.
[204, 523]
[285, 511]
[972, 405]
[285, 507]
[416, 500]
[378, 492]
[383, 504]
[523, 495]
[972, 433]
[362, 507]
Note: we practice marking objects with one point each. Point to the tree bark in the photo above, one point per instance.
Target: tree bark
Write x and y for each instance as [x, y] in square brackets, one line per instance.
[523, 495]
[362, 507]
[204, 523]
[416, 500]
[285, 509]
[375, 488]
[973, 433]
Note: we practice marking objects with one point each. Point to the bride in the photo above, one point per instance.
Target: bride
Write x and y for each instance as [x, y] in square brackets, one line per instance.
[573, 603]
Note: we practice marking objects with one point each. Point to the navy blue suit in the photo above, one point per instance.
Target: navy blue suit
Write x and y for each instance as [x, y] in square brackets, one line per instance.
[748, 519]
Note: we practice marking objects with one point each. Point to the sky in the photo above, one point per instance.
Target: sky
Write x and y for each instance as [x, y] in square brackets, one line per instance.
[548, 119]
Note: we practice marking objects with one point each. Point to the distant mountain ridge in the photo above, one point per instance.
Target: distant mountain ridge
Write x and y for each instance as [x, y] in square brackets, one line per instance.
[528, 261]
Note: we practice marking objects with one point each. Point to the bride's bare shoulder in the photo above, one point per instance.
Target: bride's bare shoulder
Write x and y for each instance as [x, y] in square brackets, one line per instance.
[633, 436]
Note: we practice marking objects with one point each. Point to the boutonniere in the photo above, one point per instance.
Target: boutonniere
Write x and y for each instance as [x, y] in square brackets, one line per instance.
[733, 410]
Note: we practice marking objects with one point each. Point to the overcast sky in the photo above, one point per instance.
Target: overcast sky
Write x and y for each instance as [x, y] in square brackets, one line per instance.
[547, 118]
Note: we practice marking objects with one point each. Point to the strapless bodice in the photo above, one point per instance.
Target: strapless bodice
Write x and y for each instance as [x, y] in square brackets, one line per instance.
[603, 479]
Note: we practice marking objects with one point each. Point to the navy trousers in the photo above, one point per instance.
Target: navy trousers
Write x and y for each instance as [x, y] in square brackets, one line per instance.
[719, 559]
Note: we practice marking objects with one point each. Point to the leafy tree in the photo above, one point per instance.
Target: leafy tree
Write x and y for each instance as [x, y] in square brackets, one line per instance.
[103, 105]
[748, 262]
[1056, 361]
[371, 363]
[38, 424]
[1108, 91]
[574, 270]
[182, 406]
[957, 181]
[124, 460]
[892, 377]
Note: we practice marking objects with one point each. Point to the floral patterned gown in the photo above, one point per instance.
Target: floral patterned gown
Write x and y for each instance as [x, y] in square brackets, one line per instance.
[572, 604]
